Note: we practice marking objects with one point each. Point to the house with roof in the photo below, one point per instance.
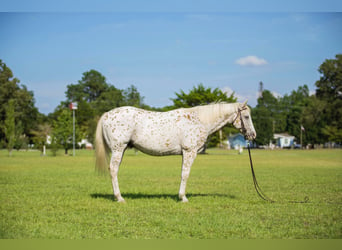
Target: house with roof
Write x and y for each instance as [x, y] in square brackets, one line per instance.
[237, 141]
[284, 140]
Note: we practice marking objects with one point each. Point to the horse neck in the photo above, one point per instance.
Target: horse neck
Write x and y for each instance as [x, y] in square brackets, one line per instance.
[215, 116]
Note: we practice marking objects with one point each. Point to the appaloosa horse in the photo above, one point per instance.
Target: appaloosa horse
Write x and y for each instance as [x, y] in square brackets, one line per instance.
[182, 131]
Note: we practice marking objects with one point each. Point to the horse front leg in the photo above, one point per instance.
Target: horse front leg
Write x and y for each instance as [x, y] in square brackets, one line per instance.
[114, 170]
[188, 159]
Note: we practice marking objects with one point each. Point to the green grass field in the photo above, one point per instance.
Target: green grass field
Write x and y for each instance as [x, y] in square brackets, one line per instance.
[63, 197]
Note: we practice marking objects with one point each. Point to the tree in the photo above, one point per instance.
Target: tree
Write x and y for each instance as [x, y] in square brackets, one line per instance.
[266, 116]
[93, 90]
[312, 121]
[132, 97]
[329, 86]
[293, 106]
[279, 115]
[89, 88]
[63, 129]
[10, 126]
[333, 133]
[24, 108]
[20, 138]
[40, 136]
[200, 95]
[329, 90]
[111, 98]
[263, 124]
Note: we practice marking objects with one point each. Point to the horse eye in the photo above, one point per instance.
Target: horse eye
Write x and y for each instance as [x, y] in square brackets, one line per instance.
[246, 117]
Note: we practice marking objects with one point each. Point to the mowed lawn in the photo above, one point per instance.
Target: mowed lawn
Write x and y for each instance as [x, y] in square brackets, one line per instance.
[63, 197]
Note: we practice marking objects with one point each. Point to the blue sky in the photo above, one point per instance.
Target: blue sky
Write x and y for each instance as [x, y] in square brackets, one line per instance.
[162, 52]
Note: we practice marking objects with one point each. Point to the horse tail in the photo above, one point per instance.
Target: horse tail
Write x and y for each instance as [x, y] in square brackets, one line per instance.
[101, 149]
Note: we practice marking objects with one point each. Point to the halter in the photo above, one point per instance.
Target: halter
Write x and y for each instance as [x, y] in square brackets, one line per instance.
[239, 115]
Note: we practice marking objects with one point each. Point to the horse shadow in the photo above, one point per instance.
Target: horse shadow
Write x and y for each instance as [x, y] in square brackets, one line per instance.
[135, 196]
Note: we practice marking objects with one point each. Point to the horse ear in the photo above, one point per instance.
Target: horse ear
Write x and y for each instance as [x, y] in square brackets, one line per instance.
[244, 104]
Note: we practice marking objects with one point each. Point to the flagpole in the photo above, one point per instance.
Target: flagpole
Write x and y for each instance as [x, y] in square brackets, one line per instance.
[73, 107]
[301, 137]
[73, 128]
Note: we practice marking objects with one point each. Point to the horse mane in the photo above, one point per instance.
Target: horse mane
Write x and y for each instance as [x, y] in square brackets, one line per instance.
[210, 112]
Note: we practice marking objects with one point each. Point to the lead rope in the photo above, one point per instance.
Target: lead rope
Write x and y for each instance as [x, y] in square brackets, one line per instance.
[257, 187]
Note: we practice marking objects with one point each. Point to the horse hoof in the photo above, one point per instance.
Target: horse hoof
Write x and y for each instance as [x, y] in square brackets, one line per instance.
[121, 200]
[185, 200]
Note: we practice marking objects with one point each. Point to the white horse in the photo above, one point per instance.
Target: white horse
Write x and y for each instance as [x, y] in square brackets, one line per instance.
[182, 131]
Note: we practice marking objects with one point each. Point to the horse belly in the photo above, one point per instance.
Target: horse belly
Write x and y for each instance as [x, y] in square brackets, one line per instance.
[159, 140]
[158, 150]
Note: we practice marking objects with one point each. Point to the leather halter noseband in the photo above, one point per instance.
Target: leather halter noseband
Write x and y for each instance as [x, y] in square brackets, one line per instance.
[239, 115]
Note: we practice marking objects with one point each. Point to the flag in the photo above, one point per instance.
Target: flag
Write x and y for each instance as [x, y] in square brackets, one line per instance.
[302, 128]
[73, 105]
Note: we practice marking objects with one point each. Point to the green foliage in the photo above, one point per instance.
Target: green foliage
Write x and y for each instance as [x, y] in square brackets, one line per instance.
[320, 115]
[329, 86]
[329, 90]
[265, 115]
[295, 105]
[63, 198]
[10, 126]
[132, 97]
[41, 134]
[24, 108]
[21, 140]
[63, 130]
[262, 121]
[313, 121]
[201, 95]
[110, 99]
[54, 145]
[333, 133]
[94, 96]
[13, 129]
[89, 88]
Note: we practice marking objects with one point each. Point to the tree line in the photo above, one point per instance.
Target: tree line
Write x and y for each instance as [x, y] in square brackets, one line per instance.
[319, 115]
[22, 124]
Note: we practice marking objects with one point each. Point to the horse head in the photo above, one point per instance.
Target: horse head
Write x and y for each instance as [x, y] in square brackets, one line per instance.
[243, 121]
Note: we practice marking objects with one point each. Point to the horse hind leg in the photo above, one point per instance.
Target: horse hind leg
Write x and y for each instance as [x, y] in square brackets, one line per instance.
[188, 159]
[114, 170]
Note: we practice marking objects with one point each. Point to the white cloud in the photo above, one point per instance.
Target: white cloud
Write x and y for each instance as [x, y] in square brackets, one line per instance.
[251, 61]
[199, 17]
[212, 62]
[246, 95]
[312, 92]
[228, 91]
[276, 94]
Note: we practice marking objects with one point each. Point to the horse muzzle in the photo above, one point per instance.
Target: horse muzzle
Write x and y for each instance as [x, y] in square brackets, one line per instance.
[251, 136]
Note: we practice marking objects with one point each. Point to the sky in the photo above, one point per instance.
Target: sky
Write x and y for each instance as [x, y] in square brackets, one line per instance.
[164, 51]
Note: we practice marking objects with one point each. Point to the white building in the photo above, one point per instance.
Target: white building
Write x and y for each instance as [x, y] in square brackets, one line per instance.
[284, 140]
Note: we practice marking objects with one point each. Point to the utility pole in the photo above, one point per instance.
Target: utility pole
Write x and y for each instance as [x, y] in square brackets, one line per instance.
[220, 133]
[73, 107]
[261, 89]
[301, 136]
